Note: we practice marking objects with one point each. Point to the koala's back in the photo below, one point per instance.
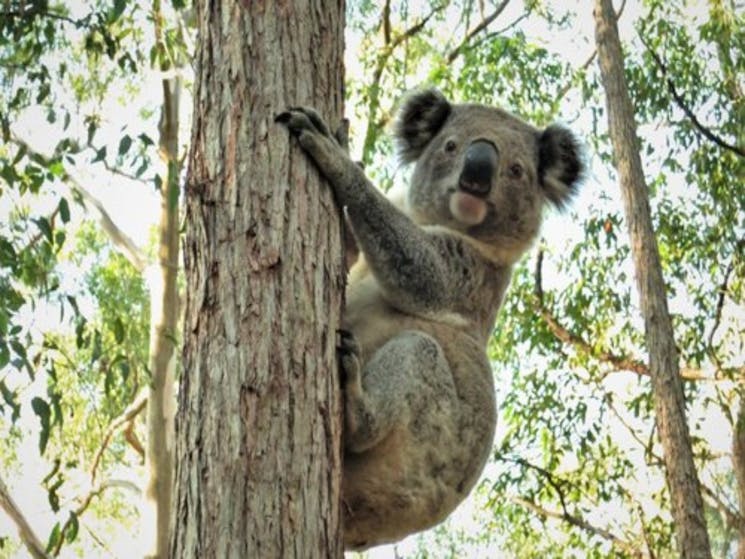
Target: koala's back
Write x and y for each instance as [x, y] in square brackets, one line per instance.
[428, 463]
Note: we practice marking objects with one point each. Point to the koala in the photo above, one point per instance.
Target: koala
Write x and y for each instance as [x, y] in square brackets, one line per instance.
[420, 409]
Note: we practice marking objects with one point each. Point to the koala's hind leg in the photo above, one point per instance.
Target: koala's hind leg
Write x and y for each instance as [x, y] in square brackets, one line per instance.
[392, 387]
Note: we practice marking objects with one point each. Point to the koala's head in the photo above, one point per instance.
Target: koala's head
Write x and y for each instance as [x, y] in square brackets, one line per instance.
[482, 171]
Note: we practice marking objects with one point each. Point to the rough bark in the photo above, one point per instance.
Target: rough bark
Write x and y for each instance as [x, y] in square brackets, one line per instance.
[258, 430]
[667, 387]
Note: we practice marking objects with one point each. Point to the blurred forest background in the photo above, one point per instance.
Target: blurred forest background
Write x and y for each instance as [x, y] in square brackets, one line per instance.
[94, 97]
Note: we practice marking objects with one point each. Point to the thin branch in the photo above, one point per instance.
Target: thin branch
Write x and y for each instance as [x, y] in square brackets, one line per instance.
[483, 24]
[391, 43]
[647, 446]
[28, 536]
[731, 517]
[723, 289]
[119, 238]
[645, 532]
[34, 12]
[131, 437]
[86, 502]
[386, 20]
[114, 170]
[97, 539]
[578, 522]
[705, 131]
[131, 411]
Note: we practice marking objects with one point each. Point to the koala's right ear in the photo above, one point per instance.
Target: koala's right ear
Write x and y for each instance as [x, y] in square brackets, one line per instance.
[421, 116]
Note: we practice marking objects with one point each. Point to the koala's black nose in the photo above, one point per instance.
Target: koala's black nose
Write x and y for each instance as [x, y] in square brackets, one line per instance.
[479, 168]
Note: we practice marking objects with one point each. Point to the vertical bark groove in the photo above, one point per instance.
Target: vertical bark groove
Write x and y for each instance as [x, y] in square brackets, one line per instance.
[258, 428]
[667, 386]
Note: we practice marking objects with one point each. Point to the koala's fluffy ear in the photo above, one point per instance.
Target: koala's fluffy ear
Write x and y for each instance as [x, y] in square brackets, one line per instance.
[561, 164]
[421, 116]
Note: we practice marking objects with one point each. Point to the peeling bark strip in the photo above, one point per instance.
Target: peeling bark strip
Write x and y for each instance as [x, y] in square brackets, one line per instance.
[258, 426]
[667, 387]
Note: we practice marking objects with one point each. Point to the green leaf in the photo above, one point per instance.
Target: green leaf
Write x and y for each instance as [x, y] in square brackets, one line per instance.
[145, 139]
[64, 210]
[43, 411]
[45, 227]
[11, 401]
[118, 9]
[56, 168]
[54, 537]
[100, 155]
[118, 328]
[72, 527]
[4, 354]
[124, 144]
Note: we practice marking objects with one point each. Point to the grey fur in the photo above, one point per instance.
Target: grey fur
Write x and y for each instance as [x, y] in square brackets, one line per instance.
[422, 300]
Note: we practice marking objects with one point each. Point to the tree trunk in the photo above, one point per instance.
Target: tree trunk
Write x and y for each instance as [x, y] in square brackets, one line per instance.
[258, 429]
[667, 387]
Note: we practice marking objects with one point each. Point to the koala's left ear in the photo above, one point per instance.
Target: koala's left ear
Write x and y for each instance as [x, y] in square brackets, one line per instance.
[420, 118]
[561, 164]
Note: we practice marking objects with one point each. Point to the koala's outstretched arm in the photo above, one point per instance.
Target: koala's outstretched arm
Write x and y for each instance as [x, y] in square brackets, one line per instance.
[403, 257]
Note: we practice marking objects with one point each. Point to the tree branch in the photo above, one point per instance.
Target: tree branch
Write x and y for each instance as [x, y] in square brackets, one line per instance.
[36, 11]
[131, 411]
[705, 131]
[483, 24]
[86, 500]
[28, 536]
[619, 362]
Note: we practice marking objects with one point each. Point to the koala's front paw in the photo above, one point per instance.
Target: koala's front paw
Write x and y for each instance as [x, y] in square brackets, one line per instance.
[349, 360]
[303, 119]
[323, 147]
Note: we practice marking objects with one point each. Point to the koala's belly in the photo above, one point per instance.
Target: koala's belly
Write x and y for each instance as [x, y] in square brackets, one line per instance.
[373, 321]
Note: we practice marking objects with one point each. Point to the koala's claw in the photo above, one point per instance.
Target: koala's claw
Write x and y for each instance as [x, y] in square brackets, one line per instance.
[349, 360]
[348, 344]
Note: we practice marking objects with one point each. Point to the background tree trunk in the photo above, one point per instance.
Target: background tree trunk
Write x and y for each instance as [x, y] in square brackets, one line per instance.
[667, 387]
[164, 313]
[258, 430]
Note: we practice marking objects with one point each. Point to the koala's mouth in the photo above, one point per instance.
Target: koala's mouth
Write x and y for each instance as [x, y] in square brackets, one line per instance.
[466, 208]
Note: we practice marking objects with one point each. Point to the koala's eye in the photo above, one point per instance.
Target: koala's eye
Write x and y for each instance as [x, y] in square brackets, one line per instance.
[450, 146]
[516, 171]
